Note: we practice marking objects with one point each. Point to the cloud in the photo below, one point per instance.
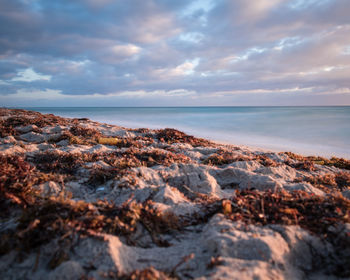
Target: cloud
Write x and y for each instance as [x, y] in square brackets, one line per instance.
[34, 98]
[184, 69]
[264, 91]
[157, 93]
[227, 52]
[29, 75]
[125, 50]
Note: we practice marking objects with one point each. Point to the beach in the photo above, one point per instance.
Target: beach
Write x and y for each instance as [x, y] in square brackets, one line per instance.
[81, 199]
[308, 130]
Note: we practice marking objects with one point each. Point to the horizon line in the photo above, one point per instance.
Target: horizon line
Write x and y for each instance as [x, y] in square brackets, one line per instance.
[205, 106]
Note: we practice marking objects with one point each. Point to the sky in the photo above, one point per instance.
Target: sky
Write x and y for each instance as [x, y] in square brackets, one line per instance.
[174, 52]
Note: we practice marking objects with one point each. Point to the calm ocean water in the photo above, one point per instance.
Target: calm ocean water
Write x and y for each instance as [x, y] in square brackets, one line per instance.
[308, 130]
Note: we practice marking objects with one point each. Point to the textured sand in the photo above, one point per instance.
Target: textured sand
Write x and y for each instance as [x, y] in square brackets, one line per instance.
[182, 180]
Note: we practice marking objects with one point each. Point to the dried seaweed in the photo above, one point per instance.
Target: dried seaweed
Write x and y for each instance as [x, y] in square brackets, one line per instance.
[84, 132]
[6, 130]
[63, 163]
[266, 161]
[170, 136]
[304, 165]
[79, 135]
[311, 212]
[145, 140]
[16, 180]
[33, 118]
[142, 130]
[334, 161]
[46, 219]
[158, 157]
[99, 176]
[223, 157]
[329, 183]
[136, 158]
[19, 118]
[343, 180]
[69, 163]
[314, 213]
[83, 136]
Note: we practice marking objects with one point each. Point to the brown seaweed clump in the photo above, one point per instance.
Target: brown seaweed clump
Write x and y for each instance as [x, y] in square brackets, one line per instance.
[171, 136]
[136, 158]
[266, 161]
[334, 161]
[16, 180]
[304, 165]
[118, 162]
[323, 216]
[79, 135]
[222, 157]
[6, 130]
[18, 118]
[63, 163]
[331, 182]
[158, 157]
[311, 212]
[51, 218]
[83, 136]
[24, 118]
[343, 180]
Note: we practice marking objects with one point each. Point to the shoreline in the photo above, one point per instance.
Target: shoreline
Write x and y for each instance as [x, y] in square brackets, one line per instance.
[103, 201]
[262, 146]
[245, 132]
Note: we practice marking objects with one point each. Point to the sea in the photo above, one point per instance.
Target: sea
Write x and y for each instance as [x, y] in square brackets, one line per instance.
[323, 131]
